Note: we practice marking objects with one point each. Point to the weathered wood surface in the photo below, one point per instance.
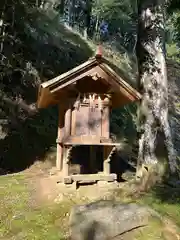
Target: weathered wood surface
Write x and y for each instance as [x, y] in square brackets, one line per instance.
[95, 122]
[88, 178]
[73, 121]
[82, 121]
[60, 137]
[93, 144]
[64, 84]
[94, 177]
[107, 158]
[84, 117]
[105, 123]
[65, 169]
[68, 121]
[105, 74]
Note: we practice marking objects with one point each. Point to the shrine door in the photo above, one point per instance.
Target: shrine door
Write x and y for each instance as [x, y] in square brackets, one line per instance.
[88, 121]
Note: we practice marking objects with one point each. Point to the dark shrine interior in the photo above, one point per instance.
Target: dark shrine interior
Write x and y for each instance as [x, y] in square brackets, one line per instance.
[80, 162]
[87, 84]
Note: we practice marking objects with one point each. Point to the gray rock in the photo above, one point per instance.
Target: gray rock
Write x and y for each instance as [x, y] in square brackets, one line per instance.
[103, 220]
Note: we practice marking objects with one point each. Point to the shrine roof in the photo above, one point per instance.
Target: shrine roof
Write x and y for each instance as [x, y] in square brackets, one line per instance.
[50, 90]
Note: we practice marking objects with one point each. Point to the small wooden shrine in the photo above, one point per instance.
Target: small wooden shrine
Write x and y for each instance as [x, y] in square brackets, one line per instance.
[85, 95]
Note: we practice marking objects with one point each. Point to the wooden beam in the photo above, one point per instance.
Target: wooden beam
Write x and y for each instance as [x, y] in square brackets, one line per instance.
[117, 78]
[73, 122]
[68, 116]
[65, 168]
[107, 159]
[75, 79]
[119, 86]
[106, 122]
[108, 79]
[93, 144]
[90, 63]
[94, 177]
[60, 137]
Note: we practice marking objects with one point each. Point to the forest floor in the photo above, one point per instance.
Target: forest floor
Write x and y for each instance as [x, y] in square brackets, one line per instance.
[34, 206]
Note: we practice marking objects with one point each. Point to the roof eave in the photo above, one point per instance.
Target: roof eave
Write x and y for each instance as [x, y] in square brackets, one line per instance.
[120, 81]
[91, 62]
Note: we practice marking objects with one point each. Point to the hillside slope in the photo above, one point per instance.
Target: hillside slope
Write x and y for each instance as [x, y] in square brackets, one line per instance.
[42, 51]
[45, 49]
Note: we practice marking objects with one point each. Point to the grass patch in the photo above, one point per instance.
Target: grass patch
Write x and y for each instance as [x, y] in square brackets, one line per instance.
[152, 232]
[165, 207]
[165, 201]
[20, 220]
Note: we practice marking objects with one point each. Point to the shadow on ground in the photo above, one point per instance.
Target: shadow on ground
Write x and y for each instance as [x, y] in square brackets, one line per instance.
[167, 194]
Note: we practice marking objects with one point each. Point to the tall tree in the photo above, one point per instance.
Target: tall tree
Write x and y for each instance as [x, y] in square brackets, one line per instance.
[153, 110]
[87, 12]
[173, 10]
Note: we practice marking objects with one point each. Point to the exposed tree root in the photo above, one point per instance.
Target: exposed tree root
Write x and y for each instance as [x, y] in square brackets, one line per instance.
[150, 174]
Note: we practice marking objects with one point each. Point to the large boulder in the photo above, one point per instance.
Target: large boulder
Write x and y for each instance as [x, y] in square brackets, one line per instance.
[103, 220]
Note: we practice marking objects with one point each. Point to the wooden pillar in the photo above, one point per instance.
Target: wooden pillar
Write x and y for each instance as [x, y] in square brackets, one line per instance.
[68, 121]
[73, 122]
[106, 163]
[60, 136]
[65, 162]
[105, 132]
[105, 122]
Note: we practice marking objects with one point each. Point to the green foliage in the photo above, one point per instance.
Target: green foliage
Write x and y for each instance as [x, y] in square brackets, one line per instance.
[23, 216]
[173, 52]
[121, 18]
[103, 9]
[173, 5]
[123, 122]
[20, 219]
[174, 20]
[36, 48]
[173, 29]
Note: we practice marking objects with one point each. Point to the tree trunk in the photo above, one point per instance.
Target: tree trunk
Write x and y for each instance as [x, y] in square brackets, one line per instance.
[2, 30]
[62, 5]
[87, 13]
[153, 109]
[71, 13]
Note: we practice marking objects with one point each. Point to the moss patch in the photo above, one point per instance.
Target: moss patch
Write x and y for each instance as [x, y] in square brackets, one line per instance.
[153, 231]
[20, 220]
